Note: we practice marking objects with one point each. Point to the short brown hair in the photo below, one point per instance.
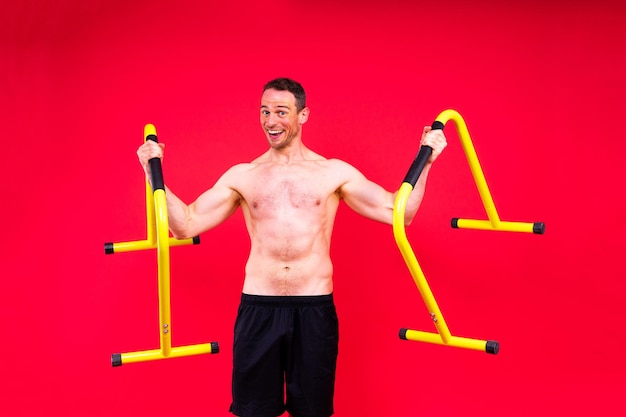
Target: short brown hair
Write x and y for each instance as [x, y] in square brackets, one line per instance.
[294, 87]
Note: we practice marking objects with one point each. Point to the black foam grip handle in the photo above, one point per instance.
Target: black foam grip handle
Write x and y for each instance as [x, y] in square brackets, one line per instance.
[418, 165]
[420, 160]
[156, 171]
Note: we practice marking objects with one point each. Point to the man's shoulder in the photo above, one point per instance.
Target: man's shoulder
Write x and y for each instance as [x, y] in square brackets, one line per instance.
[336, 163]
[238, 171]
[242, 166]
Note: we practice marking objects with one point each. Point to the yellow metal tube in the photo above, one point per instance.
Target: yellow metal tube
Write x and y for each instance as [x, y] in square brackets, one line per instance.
[150, 242]
[454, 341]
[472, 159]
[443, 335]
[411, 261]
[163, 249]
[151, 220]
[159, 239]
[501, 227]
[157, 354]
[151, 235]
[136, 245]
[481, 183]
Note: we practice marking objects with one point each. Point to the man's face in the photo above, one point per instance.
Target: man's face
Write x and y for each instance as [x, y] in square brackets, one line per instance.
[280, 118]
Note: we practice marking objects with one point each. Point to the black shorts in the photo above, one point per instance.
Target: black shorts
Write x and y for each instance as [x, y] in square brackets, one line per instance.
[285, 344]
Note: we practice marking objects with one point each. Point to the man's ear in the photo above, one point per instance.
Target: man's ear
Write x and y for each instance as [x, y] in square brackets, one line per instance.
[303, 116]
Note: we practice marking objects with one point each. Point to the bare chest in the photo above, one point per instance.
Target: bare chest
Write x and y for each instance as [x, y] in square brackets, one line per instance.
[284, 190]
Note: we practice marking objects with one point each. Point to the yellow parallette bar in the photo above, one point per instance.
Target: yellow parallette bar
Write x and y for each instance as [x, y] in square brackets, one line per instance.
[176, 352]
[454, 341]
[146, 244]
[501, 226]
[158, 238]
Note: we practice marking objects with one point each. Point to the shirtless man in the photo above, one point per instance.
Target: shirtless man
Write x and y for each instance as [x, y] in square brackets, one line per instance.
[286, 333]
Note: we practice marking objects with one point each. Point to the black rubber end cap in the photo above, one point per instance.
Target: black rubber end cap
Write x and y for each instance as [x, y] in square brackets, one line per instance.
[454, 222]
[539, 228]
[437, 125]
[108, 248]
[492, 347]
[116, 359]
[196, 240]
[402, 334]
[215, 347]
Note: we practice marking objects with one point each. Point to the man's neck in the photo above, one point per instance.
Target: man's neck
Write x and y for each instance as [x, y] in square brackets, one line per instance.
[296, 151]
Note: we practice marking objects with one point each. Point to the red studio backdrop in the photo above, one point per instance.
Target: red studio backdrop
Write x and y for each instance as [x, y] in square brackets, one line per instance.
[541, 86]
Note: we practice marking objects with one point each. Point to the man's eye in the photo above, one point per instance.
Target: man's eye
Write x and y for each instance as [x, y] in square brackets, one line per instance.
[264, 112]
[282, 113]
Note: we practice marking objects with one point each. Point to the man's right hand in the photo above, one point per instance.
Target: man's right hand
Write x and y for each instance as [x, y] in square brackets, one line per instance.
[147, 151]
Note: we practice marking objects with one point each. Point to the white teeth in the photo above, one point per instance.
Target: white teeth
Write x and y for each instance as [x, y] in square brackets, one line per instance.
[274, 132]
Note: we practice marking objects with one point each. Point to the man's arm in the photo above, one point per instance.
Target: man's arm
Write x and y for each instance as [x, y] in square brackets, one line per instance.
[210, 209]
[374, 202]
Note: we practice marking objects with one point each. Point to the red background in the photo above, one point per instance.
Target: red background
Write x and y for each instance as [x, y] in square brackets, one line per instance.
[541, 86]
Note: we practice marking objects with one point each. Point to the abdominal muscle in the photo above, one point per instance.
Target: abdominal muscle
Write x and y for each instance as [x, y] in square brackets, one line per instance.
[289, 261]
[289, 266]
[311, 275]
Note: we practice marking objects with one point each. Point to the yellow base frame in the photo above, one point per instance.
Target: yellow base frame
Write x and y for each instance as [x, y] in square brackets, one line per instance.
[150, 242]
[158, 238]
[493, 223]
[117, 359]
[443, 335]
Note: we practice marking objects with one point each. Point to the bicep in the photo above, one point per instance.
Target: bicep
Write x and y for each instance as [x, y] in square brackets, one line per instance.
[367, 198]
[213, 207]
